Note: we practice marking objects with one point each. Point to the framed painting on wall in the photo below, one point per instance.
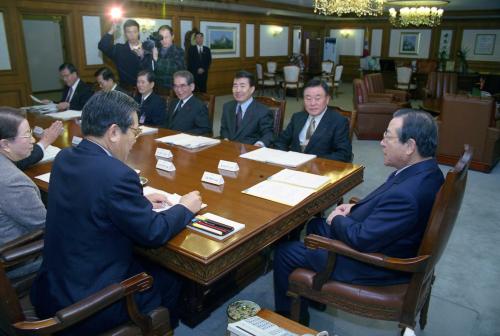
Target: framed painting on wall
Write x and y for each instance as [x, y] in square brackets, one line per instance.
[485, 44]
[409, 43]
[222, 40]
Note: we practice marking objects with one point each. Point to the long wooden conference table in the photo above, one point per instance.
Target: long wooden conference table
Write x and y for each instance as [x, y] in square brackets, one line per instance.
[209, 264]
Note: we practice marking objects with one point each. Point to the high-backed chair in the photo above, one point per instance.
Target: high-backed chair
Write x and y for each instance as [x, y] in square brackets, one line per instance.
[403, 77]
[375, 84]
[466, 119]
[327, 75]
[426, 66]
[337, 79]
[26, 248]
[263, 82]
[439, 83]
[402, 302]
[373, 112]
[292, 79]
[209, 101]
[271, 67]
[277, 107]
[352, 116]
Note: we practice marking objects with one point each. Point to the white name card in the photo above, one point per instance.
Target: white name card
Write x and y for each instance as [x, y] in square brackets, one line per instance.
[162, 153]
[228, 165]
[38, 131]
[165, 165]
[76, 140]
[212, 178]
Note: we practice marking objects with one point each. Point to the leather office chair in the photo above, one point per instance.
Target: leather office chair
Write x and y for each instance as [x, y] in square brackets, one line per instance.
[277, 107]
[373, 112]
[402, 302]
[375, 84]
[209, 101]
[439, 83]
[426, 66]
[352, 116]
[466, 119]
[292, 79]
[23, 321]
[262, 82]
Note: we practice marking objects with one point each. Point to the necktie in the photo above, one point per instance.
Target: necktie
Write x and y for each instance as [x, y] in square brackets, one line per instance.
[239, 117]
[68, 96]
[179, 106]
[309, 133]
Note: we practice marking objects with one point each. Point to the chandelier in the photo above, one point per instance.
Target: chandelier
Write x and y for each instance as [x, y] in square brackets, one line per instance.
[416, 16]
[341, 7]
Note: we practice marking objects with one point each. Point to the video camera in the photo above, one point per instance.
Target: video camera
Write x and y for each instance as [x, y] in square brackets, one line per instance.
[154, 40]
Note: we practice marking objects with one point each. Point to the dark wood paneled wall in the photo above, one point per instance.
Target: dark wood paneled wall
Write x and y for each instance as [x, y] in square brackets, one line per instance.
[15, 83]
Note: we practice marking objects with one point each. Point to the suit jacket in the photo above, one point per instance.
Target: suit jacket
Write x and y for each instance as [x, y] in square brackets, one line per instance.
[35, 156]
[96, 214]
[257, 124]
[330, 140]
[127, 62]
[195, 61]
[154, 109]
[21, 208]
[82, 93]
[391, 220]
[191, 118]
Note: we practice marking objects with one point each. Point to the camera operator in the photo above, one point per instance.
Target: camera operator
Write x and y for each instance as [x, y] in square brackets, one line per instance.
[168, 58]
[129, 57]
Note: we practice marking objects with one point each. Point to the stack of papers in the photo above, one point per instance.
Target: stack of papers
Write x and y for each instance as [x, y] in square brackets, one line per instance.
[42, 109]
[66, 115]
[172, 198]
[44, 177]
[288, 187]
[145, 130]
[188, 141]
[276, 156]
[50, 153]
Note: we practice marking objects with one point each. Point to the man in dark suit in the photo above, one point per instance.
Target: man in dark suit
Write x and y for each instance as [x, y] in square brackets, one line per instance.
[199, 60]
[106, 80]
[152, 110]
[244, 119]
[97, 213]
[76, 93]
[319, 129]
[187, 113]
[391, 220]
[129, 57]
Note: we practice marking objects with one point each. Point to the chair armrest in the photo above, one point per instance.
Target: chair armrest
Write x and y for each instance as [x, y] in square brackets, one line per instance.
[88, 306]
[399, 95]
[22, 240]
[380, 97]
[354, 200]
[17, 255]
[411, 265]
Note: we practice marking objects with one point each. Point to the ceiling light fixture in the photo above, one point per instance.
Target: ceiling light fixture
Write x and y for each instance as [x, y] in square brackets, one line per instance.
[416, 13]
[341, 7]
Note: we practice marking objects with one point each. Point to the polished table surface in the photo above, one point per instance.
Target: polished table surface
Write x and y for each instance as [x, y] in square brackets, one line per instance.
[195, 255]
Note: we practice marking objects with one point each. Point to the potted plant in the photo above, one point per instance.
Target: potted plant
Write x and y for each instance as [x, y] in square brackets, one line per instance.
[462, 60]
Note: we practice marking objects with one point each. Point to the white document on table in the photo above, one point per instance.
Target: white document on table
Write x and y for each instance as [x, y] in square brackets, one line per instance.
[300, 179]
[49, 153]
[283, 193]
[145, 130]
[66, 115]
[172, 198]
[44, 177]
[35, 99]
[276, 156]
[188, 141]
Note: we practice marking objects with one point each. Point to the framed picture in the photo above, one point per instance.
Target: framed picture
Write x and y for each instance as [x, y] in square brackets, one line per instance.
[445, 42]
[221, 40]
[409, 43]
[485, 44]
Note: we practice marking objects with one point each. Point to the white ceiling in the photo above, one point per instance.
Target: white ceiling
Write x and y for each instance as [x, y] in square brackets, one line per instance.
[453, 5]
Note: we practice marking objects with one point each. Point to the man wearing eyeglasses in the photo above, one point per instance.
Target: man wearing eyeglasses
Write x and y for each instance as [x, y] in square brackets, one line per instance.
[187, 113]
[391, 220]
[319, 129]
[97, 213]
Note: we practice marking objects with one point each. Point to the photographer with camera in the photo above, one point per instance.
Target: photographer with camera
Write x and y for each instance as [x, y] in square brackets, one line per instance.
[168, 58]
[129, 57]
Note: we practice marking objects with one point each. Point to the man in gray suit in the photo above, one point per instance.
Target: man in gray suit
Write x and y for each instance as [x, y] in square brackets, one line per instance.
[244, 119]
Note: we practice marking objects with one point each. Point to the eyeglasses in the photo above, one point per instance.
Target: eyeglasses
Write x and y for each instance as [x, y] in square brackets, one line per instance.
[27, 135]
[180, 86]
[388, 136]
[137, 131]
